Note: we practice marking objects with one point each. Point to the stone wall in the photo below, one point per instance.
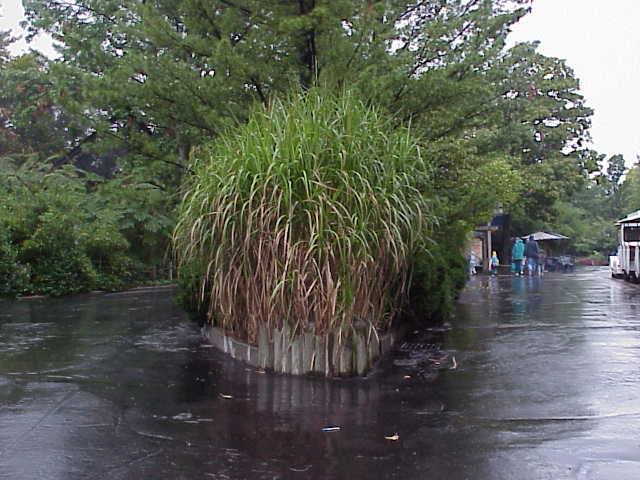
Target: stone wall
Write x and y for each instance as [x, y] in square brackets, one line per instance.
[347, 352]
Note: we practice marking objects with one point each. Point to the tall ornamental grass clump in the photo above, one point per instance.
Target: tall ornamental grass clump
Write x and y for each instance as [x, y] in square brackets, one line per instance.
[308, 216]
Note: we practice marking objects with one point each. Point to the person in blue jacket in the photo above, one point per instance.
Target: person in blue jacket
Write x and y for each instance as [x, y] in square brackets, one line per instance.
[532, 252]
[517, 255]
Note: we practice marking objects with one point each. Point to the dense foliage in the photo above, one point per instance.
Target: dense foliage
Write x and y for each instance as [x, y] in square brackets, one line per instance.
[628, 193]
[60, 236]
[588, 216]
[162, 77]
[71, 220]
[140, 86]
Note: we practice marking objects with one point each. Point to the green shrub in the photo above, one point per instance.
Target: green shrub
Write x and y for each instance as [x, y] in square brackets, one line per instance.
[61, 236]
[439, 275]
[192, 294]
[57, 274]
[14, 277]
[107, 250]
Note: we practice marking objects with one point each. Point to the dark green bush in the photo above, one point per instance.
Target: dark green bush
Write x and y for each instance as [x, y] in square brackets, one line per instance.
[189, 287]
[107, 249]
[14, 277]
[62, 237]
[439, 275]
[62, 274]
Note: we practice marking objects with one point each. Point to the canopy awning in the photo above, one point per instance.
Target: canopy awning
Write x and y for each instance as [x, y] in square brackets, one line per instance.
[537, 236]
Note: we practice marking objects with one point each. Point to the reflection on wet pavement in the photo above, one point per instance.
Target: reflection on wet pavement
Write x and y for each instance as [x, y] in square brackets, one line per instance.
[534, 378]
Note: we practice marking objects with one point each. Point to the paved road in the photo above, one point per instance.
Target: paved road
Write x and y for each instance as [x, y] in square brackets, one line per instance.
[535, 378]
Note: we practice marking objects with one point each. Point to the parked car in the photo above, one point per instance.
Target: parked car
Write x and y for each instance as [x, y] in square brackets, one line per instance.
[615, 267]
[561, 263]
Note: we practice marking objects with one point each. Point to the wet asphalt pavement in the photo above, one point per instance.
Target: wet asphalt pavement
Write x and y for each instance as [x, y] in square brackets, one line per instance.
[535, 378]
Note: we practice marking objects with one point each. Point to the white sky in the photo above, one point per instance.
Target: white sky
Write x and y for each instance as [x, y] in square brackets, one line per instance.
[599, 40]
[11, 14]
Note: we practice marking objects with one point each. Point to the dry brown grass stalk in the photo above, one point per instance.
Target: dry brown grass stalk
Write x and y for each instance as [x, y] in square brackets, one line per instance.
[292, 221]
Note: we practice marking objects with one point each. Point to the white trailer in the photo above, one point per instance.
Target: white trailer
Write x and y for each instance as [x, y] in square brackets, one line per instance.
[627, 263]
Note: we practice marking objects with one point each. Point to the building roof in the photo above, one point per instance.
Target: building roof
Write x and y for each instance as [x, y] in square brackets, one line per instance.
[635, 216]
[537, 236]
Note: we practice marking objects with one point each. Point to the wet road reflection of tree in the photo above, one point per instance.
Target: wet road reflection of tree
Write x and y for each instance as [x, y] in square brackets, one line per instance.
[534, 378]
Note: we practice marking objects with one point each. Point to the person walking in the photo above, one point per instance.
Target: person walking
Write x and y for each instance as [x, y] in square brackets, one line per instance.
[542, 257]
[532, 252]
[517, 254]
